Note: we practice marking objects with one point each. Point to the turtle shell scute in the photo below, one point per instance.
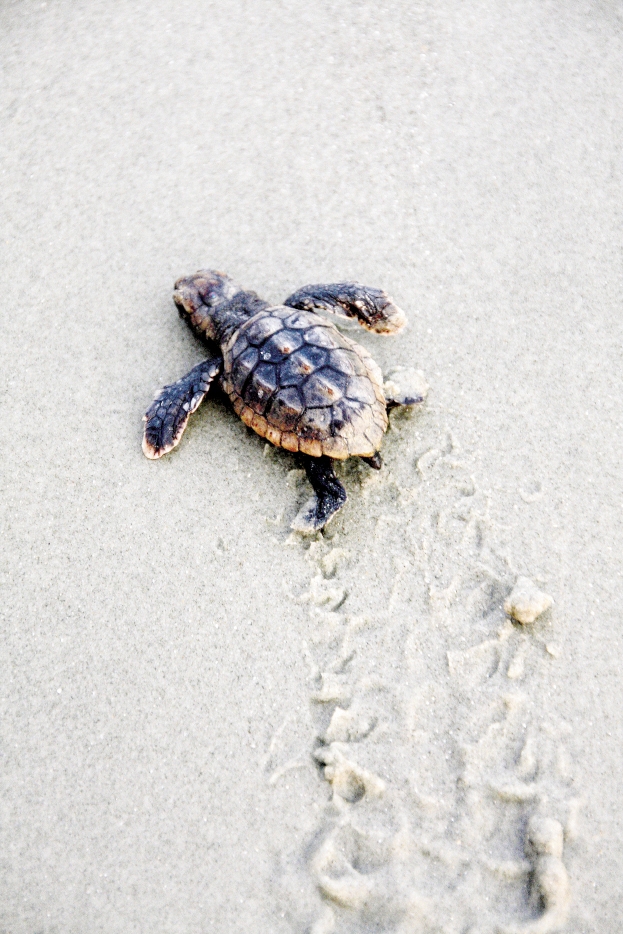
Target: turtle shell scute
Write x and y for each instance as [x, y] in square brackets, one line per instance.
[239, 347]
[335, 447]
[260, 387]
[323, 388]
[319, 337]
[281, 345]
[361, 389]
[243, 366]
[315, 422]
[301, 364]
[301, 320]
[346, 361]
[374, 434]
[263, 327]
[285, 409]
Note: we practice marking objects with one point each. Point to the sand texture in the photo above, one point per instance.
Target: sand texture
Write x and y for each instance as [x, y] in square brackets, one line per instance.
[411, 724]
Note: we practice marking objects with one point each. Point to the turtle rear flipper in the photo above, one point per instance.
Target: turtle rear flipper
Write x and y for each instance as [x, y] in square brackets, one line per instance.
[373, 308]
[376, 461]
[167, 416]
[329, 495]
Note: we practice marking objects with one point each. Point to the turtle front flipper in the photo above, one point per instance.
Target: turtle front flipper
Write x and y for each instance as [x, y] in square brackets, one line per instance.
[373, 308]
[329, 495]
[167, 416]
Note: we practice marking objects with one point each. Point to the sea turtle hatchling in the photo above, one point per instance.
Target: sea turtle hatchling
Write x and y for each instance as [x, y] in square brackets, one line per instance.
[291, 376]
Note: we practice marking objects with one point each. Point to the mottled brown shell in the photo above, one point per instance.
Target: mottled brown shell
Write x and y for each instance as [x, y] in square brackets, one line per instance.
[299, 383]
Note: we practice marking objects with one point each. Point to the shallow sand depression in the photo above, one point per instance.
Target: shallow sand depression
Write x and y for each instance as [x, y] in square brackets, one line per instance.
[210, 723]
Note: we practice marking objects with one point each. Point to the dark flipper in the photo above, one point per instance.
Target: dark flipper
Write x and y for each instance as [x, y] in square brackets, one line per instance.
[329, 495]
[166, 418]
[373, 308]
[376, 461]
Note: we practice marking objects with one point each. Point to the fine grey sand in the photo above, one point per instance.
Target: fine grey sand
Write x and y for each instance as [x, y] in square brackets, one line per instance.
[212, 724]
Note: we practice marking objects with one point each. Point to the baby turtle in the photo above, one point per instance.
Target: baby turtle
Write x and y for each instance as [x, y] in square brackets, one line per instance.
[291, 376]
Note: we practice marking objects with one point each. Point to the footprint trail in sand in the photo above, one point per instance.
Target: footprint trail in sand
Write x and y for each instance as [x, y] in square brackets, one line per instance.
[443, 779]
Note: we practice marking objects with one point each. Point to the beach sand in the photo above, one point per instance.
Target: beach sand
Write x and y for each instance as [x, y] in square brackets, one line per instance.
[212, 724]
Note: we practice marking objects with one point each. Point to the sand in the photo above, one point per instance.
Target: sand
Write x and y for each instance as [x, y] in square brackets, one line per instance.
[210, 724]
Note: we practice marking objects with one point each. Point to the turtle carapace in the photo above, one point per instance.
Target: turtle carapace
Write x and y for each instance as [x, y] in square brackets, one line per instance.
[290, 374]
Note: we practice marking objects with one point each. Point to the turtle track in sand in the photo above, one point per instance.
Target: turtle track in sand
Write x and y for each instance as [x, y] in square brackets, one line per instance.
[439, 761]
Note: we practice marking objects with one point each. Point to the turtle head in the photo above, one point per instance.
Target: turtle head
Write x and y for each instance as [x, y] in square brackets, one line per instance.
[196, 298]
